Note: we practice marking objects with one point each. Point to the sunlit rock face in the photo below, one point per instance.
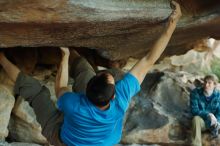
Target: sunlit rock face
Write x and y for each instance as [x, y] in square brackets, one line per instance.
[116, 28]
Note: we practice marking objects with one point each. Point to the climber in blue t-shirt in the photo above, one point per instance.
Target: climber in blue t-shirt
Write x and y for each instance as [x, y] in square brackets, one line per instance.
[91, 114]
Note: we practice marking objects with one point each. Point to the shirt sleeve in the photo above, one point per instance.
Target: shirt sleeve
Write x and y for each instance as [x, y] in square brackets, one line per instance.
[66, 102]
[194, 103]
[126, 89]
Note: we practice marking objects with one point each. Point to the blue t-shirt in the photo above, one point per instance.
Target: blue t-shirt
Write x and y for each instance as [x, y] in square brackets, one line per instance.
[85, 124]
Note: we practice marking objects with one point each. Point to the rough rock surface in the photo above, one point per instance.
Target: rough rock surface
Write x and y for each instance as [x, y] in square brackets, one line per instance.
[6, 104]
[113, 27]
[160, 112]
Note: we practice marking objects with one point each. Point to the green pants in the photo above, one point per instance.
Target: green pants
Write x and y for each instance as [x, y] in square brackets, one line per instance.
[198, 125]
[38, 97]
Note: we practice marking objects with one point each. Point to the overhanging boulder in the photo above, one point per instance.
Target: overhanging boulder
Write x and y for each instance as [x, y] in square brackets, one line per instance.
[117, 28]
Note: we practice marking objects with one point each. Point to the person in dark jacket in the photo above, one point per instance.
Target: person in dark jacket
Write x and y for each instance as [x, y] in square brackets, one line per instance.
[205, 107]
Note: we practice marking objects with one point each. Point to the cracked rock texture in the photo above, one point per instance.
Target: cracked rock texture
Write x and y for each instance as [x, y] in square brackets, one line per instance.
[116, 28]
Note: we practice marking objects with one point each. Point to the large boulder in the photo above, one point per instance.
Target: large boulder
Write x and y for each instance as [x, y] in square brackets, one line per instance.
[160, 113]
[117, 29]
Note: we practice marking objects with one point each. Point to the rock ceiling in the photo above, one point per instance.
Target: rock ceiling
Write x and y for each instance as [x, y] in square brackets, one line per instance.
[116, 28]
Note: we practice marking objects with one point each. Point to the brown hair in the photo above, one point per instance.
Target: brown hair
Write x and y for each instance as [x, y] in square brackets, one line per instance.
[211, 77]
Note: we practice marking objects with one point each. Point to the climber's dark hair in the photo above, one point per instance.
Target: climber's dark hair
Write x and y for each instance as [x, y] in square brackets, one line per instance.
[99, 91]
